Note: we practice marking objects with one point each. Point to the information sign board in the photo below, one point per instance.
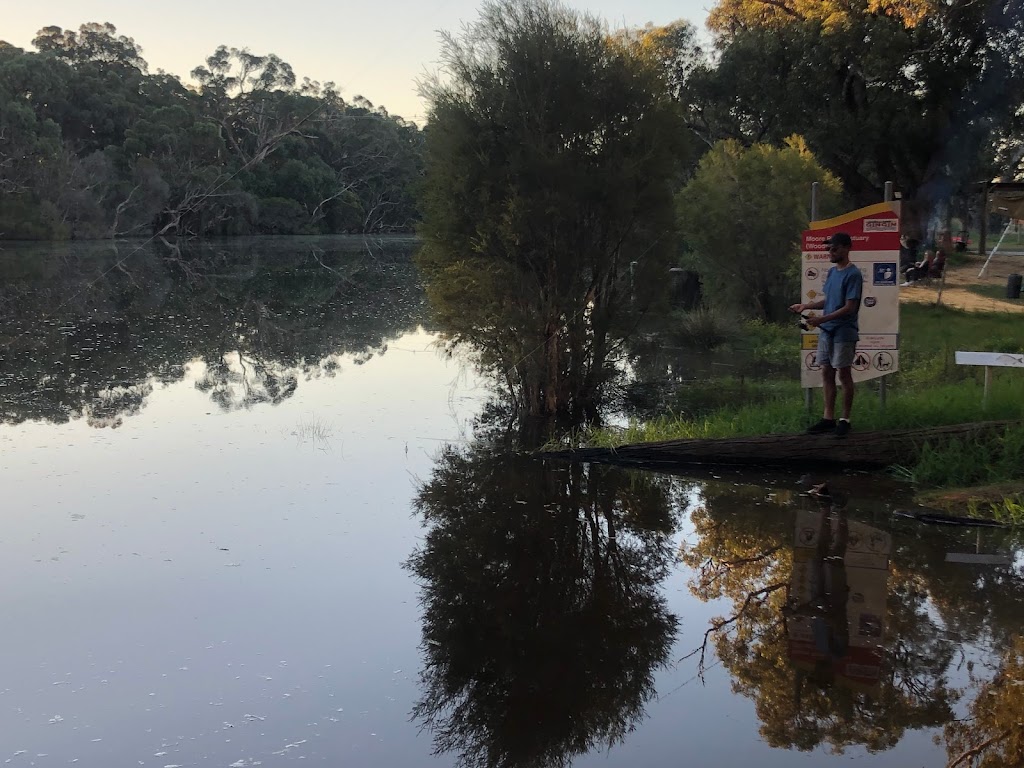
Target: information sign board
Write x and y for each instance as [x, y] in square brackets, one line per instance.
[875, 232]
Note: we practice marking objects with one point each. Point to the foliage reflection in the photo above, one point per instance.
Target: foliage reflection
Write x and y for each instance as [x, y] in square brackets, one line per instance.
[89, 330]
[846, 634]
[543, 623]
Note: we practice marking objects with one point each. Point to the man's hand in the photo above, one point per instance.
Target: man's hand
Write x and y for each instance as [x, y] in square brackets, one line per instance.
[796, 308]
[814, 321]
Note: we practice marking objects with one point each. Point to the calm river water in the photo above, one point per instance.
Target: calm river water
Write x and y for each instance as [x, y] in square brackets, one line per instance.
[247, 521]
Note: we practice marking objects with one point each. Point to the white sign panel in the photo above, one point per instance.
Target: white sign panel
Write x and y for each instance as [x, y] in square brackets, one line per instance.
[876, 253]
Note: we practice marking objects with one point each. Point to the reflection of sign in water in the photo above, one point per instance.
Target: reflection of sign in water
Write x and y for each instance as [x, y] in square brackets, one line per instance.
[883, 361]
[861, 362]
[838, 631]
[811, 361]
[869, 625]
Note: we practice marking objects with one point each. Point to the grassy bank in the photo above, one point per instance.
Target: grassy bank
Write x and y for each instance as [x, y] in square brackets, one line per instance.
[929, 390]
[1001, 501]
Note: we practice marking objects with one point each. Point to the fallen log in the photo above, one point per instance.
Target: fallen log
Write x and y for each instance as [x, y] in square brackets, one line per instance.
[938, 517]
[862, 450]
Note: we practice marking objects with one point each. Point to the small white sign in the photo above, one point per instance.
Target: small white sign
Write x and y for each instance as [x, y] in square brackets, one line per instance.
[879, 341]
[995, 359]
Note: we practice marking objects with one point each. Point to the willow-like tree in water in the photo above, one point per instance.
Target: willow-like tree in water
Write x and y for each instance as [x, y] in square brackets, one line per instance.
[547, 204]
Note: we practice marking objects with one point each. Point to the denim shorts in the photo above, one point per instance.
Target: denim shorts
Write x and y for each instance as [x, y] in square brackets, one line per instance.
[837, 354]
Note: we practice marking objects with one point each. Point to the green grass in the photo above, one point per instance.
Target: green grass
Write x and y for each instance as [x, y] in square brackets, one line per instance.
[996, 292]
[972, 462]
[1013, 240]
[1010, 510]
[702, 398]
[779, 407]
[929, 390]
[1003, 501]
[927, 330]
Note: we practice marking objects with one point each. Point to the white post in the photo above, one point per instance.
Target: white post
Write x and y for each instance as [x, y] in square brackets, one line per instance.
[989, 360]
[993, 253]
[809, 391]
[882, 390]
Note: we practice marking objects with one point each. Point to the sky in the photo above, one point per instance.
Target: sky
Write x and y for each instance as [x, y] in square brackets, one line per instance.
[377, 50]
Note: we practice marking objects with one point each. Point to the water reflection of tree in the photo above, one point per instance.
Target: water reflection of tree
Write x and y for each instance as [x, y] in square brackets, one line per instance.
[744, 553]
[543, 624]
[977, 605]
[993, 735]
[87, 332]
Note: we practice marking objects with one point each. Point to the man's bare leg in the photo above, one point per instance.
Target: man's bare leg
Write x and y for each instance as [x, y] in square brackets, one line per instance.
[846, 380]
[828, 385]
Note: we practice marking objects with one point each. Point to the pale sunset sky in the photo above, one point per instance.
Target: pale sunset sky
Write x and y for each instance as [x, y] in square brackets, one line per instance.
[373, 49]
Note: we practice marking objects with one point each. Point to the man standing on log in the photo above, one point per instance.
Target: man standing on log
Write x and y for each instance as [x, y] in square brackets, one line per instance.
[837, 341]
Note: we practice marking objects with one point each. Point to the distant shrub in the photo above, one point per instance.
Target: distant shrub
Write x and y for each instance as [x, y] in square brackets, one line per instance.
[706, 328]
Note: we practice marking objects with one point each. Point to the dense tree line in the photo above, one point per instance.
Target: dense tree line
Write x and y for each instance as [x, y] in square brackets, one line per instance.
[924, 93]
[92, 145]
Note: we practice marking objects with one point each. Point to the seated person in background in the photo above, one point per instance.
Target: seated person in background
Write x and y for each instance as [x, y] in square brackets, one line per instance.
[938, 264]
[908, 252]
[921, 269]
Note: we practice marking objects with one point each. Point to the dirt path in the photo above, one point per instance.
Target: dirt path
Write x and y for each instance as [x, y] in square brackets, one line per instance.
[955, 293]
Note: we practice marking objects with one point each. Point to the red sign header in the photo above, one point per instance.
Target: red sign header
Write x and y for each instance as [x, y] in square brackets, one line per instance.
[874, 228]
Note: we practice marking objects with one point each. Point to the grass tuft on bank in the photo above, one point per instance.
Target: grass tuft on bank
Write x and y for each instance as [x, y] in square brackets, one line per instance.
[1000, 501]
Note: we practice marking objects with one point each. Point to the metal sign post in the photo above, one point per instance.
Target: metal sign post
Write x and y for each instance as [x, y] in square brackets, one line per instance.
[815, 186]
[881, 383]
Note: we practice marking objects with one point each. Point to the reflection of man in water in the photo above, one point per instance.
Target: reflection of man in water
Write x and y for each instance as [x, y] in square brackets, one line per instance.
[831, 626]
[826, 606]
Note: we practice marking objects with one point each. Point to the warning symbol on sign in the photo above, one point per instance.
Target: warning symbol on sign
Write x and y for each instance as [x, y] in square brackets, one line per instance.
[812, 273]
[811, 294]
[861, 362]
[883, 361]
[811, 361]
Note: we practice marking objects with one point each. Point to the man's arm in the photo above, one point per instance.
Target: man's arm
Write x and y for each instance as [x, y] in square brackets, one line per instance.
[804, 307]
[850, 307]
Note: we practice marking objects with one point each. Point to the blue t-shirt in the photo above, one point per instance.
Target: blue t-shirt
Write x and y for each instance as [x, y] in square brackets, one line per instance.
[842, 285]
